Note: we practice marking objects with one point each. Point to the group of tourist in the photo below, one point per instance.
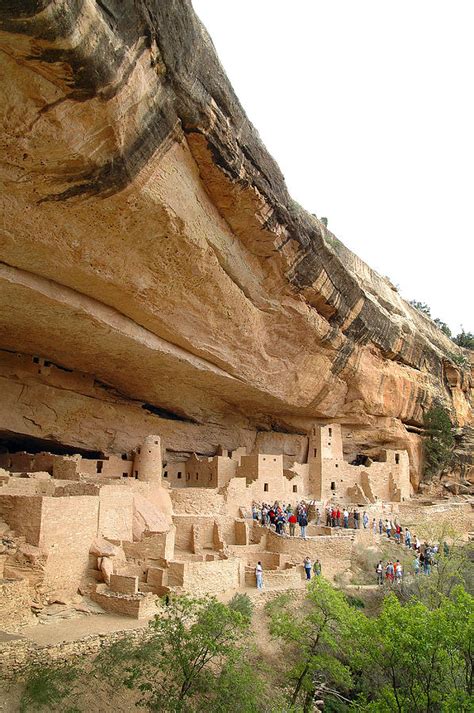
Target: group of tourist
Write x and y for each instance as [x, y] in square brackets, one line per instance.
[423, 561]
[282, 517]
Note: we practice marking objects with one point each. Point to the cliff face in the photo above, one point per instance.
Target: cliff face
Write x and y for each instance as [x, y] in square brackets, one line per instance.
[157, 277]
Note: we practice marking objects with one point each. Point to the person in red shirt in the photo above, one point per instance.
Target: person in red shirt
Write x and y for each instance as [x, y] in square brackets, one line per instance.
[292, 520]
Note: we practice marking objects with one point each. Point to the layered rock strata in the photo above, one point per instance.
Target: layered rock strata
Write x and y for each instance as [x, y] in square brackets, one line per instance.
[155, 274]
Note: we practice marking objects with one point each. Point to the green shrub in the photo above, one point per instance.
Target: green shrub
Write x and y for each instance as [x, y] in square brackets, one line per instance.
[46, 686]
[464, 339]
[242, 604]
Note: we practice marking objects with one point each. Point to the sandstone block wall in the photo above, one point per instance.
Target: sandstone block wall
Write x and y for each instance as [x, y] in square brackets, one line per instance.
[68, 527]
[15, 604]
[115, 514]
[23, 514]
[19, 654]
[334, 553]
[152, 547]
[124, 584]
[279, 579]
[212, 577]
[197, 501]
[139, 606]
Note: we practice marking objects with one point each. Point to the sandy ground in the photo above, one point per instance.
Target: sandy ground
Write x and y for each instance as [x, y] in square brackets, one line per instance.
[72, 629]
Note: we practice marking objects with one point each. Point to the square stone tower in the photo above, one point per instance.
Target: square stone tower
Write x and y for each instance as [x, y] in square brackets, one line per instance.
[325, 443]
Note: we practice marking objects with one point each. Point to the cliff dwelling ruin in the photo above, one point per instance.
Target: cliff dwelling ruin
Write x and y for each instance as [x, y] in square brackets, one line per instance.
[179, 340]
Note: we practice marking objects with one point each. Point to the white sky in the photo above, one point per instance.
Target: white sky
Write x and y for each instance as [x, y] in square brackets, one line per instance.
[367, 106]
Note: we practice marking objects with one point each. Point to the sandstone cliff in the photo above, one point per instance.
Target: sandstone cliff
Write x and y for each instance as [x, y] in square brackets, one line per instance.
[155, 274]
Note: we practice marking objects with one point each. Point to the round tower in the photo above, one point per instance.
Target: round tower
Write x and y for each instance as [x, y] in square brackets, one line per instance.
[147, 464]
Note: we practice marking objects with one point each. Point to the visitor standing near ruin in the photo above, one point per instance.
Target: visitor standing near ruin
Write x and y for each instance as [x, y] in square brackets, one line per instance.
[389, 572]
[407, 537]
[259, 575]
[303, 523]
[356, 519]
[416, 565]
[374, 526]
[307, 567]
[398, 534]
[380, 526]
[317, 568]
[345, 515]
[365, 520]
[379, 572]
[292, 520]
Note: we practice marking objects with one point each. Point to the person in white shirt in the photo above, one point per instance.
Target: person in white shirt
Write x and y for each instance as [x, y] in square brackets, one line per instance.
[259, 575]
[345, 516]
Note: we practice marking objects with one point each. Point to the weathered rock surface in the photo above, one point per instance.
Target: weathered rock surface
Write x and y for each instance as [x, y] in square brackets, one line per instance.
[155, 275]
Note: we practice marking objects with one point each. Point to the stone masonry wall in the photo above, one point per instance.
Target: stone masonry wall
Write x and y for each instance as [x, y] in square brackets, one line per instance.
[23, 514]
[19, 654]
[334, 553]
[15, 604]
[68, 527]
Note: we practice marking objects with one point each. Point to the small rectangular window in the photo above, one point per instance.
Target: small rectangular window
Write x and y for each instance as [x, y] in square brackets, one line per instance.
[315, 452]
[397, 458]
[165, 474]
[265, 487]
[100, 465]
[333, 485]
[330, 433]
[295, 488]
[179, 475]
[136, 474]
[124, 475]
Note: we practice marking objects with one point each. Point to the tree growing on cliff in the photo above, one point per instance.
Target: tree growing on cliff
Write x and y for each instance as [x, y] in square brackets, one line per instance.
[196, 652]
[313, 637]
[464, 339]
[421, 307]
[438, 441]
[414, 659]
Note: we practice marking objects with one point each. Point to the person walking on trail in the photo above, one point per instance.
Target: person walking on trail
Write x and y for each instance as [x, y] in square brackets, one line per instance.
[380, 526]
[317, 568]
[307, 567]
[292, 520]
[259, 575]
[345, 516]
[303, 523]
[365, 520]
[379, 572]
[389, 572]
[416, 565]
[398, 571]
[407, 537]
[427, 562]
[374, 526]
